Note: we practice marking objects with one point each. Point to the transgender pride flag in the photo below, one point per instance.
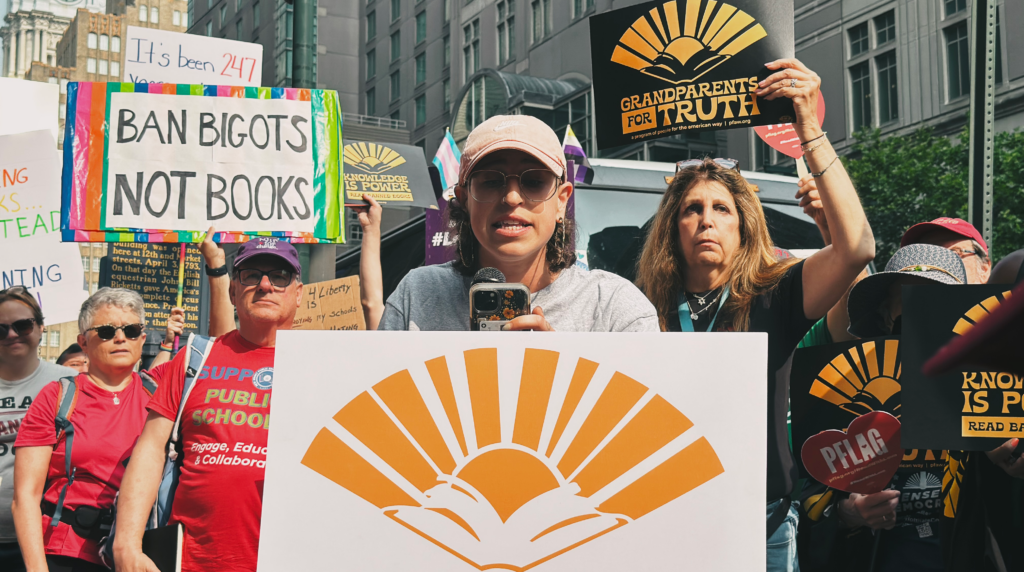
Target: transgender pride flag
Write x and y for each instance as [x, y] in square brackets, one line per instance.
[447, 162]
[574, 152]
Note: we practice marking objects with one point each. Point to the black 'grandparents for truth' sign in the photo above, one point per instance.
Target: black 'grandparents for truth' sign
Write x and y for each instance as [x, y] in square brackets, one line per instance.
[663, 68]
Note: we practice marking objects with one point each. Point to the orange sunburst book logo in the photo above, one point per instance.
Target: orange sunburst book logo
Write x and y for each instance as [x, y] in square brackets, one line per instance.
[556, 482]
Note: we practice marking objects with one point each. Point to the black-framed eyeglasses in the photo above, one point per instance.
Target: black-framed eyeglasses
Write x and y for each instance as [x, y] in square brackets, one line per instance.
[724, 163]
[20, 327]
[108, 331]
[253, 276]
[535, 185]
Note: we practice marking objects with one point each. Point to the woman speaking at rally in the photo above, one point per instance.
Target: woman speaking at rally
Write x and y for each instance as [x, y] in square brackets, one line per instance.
[106, 418]
[509, 212]
[709, 265]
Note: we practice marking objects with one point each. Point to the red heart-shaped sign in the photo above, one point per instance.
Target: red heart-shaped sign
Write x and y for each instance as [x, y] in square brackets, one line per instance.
[861, 460]
[782, 137]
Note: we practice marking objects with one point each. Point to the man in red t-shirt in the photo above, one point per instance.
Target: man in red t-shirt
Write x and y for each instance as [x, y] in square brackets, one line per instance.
[223, 426]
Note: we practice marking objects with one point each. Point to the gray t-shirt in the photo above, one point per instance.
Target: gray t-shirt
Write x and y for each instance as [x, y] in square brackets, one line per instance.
[436, 298]
[15, 398]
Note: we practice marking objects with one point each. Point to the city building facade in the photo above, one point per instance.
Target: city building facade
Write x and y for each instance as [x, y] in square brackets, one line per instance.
[32, 28]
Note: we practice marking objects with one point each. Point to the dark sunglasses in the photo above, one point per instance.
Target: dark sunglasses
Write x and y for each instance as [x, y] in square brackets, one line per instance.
[20, 327]
[254, 276]
[107, 332]
[724, 163]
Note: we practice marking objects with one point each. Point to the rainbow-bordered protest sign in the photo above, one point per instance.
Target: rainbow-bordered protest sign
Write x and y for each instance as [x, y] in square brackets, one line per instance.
[251, 161]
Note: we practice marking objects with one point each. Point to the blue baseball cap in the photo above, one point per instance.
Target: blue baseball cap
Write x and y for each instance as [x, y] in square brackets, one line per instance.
[269, 246]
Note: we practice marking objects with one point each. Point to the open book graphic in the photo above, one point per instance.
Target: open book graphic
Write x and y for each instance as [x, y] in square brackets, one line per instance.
[461, 520]
[685, 60]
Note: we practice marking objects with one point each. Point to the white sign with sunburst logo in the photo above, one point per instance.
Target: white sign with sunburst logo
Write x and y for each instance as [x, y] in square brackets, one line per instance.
[519, 451]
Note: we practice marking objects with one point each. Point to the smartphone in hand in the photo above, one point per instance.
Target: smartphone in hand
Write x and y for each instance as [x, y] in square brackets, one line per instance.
[492, 305]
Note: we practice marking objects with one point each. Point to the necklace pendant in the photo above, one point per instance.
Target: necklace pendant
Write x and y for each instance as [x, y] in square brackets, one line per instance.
[116, 401]
[693, 316]
[701, 300]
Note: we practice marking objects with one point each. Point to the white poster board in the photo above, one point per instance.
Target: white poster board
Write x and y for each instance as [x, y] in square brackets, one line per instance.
[186, 163]
[33, 255]
[28, 106]
[172, 57]
[456, 451]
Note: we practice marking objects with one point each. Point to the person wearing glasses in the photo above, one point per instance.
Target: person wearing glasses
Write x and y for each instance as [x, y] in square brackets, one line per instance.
[709, 265]
[224, 426]
[22, 376]
[509, 214]
[959, 236]
[108, 415]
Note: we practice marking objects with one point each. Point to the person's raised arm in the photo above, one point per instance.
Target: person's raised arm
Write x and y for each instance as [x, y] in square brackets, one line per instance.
[175, 328]
[30, 467]
[138, 493]
[829, 272]
[371, 281]
[222, 312]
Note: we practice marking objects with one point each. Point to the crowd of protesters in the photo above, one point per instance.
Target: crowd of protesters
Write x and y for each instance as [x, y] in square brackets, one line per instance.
[708, 265]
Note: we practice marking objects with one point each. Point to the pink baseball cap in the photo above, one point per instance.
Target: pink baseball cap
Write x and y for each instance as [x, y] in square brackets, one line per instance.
[955, 225]
[520, 132]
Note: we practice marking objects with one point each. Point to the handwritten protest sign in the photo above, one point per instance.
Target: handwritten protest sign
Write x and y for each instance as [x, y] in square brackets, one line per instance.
[443, 451]
[33, 255]
[153, 55]
[186, 157]
[331, 305]
[152, 271]
[28, 106]
[970, 410]
[663, 68]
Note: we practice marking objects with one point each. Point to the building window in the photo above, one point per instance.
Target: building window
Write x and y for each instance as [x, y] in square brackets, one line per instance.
[63, 86]
[506, 31]
[95, 263]
[255, 15]
[446, 10]
[115, 69]
[396, 116]
[421, 110]
[176, 18]
[580, 7]
[238, 30]
[421, 27]
[421, 68]
[371, 101]
[396, 45]
[90, 65]
[446, 47]
[371, 25]
[955, 7]
[54, 338]
[885, 28]
[143, 13]
[859, 41]
[396, 9]
[540, 10]
[860, 82]
[85, 263]
[115, 44]
[396, 86]
[355, 231]
[238, 6]
[154, 15]
[209, 28]
[103, 67]
[958, 60]
[447, 89]
[371, 64]
[104, 43]
[223, 15]
[888, 108]
[471, 51]
[90, 41]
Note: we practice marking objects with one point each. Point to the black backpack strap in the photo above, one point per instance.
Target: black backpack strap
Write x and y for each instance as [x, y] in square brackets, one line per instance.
[67, 400]
[147, 383]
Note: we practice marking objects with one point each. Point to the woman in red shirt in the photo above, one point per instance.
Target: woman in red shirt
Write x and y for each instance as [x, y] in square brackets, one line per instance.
[107, 419]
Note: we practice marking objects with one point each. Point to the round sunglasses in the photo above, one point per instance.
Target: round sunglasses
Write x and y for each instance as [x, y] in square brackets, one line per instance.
[108, 331]
[20, 327]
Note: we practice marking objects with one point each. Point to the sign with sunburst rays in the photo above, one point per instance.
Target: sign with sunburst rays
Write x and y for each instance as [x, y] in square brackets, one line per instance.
[388, 173]
[964, 410]
[669, 66]
[515, 453]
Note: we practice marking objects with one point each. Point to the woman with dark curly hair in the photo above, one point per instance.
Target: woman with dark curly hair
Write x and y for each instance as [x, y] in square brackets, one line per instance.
[509, 211]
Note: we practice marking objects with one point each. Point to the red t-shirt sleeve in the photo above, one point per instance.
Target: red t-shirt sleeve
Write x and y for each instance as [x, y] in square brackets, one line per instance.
[37, 428]
[170, 380]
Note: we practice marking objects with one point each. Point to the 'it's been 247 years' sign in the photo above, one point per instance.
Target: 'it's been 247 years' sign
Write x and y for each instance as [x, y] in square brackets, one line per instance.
[665, 67]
